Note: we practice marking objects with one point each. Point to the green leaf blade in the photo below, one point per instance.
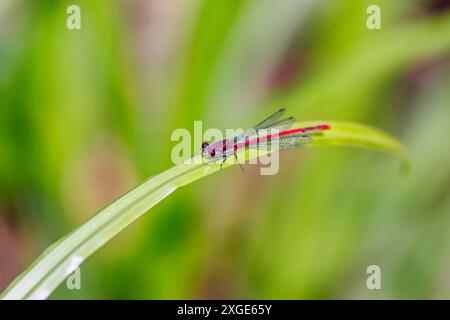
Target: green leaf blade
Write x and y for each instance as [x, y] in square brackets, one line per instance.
[62, 257]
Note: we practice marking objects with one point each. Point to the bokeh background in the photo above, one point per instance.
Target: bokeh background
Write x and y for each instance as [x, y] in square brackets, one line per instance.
[87, 114]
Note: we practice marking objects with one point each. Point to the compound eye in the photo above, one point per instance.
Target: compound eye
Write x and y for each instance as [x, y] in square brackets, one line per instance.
[204, 145]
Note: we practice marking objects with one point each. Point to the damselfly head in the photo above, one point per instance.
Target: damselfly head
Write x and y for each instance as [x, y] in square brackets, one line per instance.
[206, 150]
[204, 145]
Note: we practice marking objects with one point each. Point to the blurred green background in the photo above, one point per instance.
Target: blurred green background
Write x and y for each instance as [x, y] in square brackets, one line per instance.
[87, 114]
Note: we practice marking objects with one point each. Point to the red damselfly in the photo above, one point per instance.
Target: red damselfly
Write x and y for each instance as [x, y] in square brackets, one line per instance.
[271, 134]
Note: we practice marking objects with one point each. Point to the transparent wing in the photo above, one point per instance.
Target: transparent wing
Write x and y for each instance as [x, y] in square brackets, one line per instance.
[251, 133]
[280, 125]
[285, 142]
[270, 120]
